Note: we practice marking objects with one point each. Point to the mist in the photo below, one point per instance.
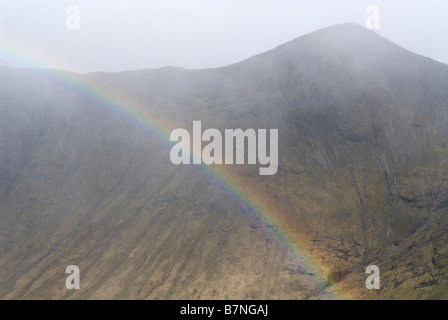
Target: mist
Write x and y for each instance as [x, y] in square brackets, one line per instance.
[118, 35]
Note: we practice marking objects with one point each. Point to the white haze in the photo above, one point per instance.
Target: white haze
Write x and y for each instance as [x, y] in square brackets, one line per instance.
[118, 35]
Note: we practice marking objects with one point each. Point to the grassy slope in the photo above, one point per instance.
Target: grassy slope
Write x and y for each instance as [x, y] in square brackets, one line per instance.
[362, 180]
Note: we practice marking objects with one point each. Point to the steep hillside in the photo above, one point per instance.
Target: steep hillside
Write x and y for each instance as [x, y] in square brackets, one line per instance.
[86, 178]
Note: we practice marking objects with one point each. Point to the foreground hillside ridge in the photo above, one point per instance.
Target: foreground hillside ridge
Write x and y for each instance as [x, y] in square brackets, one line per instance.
[362, 178]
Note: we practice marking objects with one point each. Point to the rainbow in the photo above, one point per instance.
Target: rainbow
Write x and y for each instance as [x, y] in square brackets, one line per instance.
[137, 112]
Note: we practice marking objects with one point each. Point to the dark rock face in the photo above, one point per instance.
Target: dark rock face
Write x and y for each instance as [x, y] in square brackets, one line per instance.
[362, 179]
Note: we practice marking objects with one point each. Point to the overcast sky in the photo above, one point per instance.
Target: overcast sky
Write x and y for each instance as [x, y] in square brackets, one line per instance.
[116, 35]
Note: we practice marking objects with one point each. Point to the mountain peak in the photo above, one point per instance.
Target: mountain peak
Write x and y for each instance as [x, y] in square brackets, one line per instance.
[347, 43]
[344, 28]
[340, 35]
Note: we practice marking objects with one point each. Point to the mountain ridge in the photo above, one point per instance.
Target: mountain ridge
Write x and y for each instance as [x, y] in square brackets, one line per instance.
[362, 178]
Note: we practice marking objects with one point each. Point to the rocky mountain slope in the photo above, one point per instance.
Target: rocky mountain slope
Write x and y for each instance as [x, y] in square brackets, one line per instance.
[362, 178]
